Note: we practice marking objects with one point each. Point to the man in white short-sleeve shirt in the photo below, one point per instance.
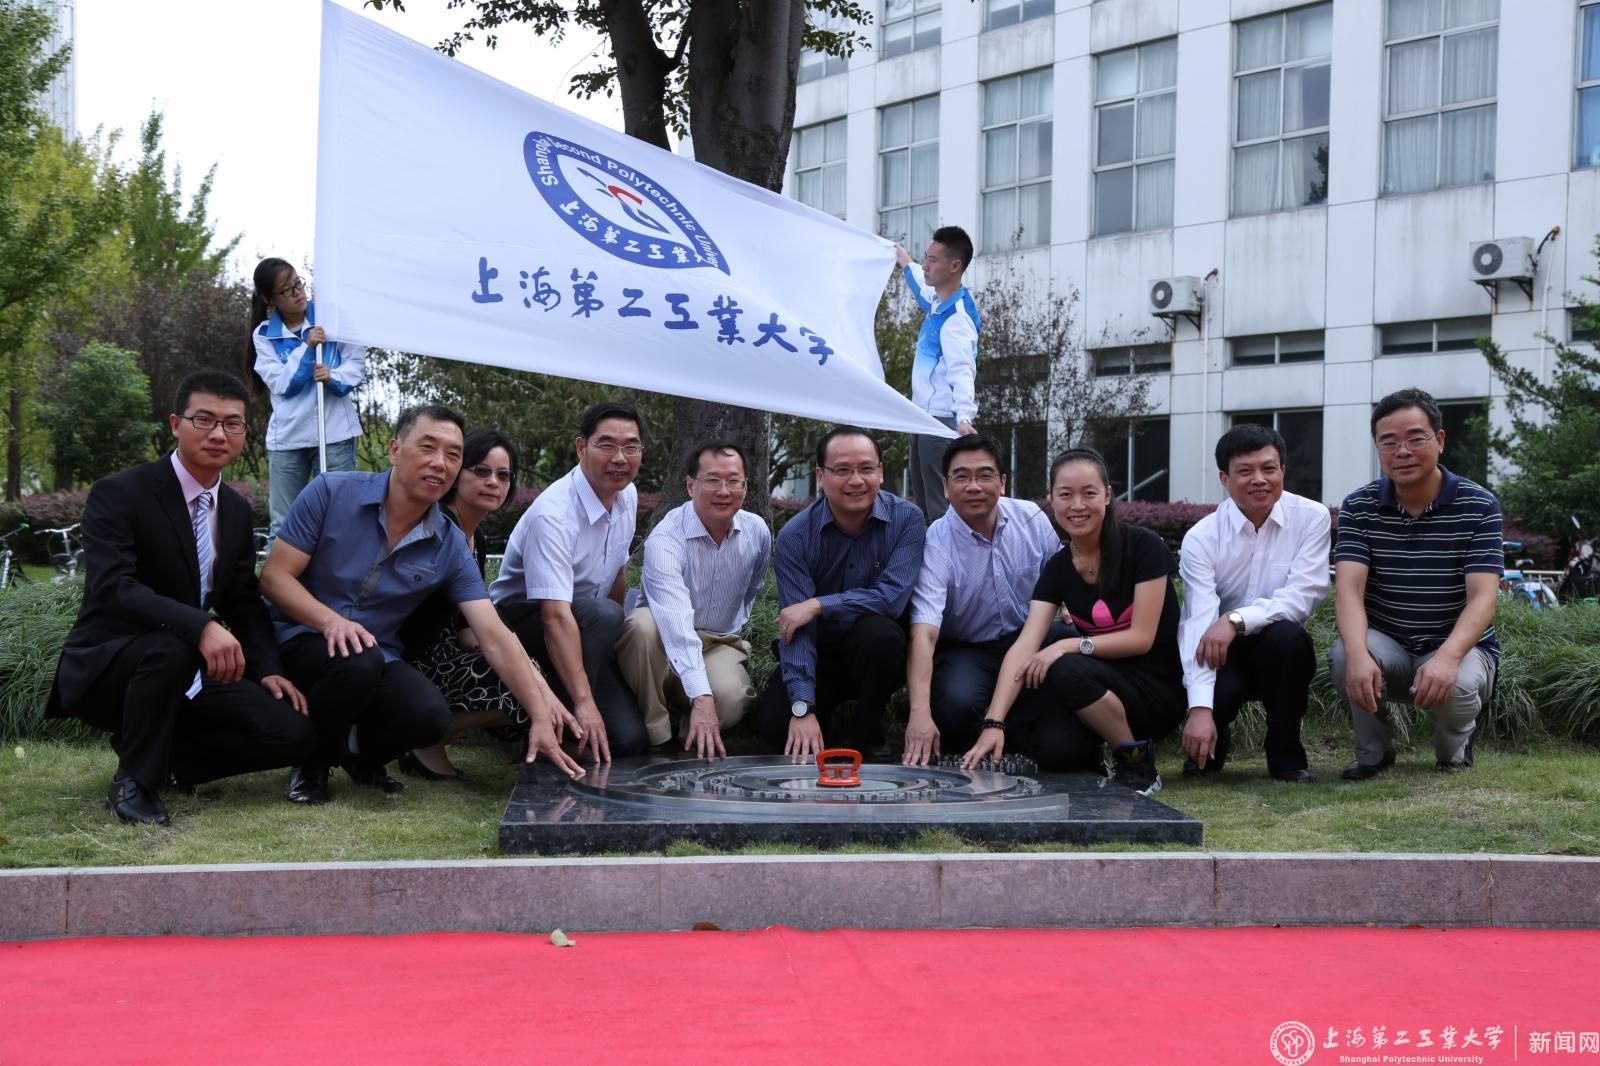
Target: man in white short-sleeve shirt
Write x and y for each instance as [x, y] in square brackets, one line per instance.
[704, 565]
[1253, 571]
[561, 586]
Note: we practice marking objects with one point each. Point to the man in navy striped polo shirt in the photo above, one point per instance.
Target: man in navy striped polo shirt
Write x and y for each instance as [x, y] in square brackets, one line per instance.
[1417, 569]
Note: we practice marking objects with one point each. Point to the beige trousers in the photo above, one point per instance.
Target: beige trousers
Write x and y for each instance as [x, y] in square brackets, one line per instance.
[643, 661]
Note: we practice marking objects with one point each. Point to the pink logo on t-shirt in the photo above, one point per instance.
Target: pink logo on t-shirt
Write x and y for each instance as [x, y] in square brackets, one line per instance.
[1101, 621]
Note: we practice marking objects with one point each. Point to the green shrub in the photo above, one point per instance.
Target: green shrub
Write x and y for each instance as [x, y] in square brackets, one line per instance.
[34, 620]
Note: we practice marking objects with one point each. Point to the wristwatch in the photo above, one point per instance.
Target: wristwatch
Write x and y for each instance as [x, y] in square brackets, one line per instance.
[799, 708]
[1238, 622]
[1085, 646]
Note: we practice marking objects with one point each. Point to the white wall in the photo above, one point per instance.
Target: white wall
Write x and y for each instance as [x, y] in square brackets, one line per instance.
[1346, 267]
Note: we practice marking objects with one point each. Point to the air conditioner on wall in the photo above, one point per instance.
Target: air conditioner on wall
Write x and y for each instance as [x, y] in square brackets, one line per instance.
[1170, 297]
[1503, 259]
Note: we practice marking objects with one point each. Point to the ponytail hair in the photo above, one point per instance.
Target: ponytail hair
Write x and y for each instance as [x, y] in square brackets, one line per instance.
[266, 276]
[1110, 529]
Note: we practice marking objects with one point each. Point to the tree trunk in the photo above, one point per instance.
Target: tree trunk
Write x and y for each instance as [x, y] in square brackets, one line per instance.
[742, 57]
[14, 444]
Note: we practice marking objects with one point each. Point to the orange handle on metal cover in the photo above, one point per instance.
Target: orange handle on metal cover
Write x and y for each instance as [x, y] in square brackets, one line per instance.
[838, 775]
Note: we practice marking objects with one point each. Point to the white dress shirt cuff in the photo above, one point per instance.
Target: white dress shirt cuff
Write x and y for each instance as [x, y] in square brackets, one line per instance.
[1203, 692]
[1255, 618]
[695, 683]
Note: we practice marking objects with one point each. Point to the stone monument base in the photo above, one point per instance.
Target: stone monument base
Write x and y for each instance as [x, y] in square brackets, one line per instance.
[642, 804]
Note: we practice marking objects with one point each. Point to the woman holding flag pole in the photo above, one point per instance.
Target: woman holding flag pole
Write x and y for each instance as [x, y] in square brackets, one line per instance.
[314, 427]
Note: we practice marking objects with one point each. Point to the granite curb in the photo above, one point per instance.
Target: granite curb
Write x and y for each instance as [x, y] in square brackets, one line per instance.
[1085, 890]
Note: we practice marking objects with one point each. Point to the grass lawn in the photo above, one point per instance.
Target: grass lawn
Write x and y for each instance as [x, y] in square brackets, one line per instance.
[1538, 798]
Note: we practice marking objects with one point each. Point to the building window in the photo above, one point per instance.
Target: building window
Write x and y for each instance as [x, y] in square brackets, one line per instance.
[1135, 137]
[1439, 120]
[1270, 349]
[1466, 438]
[815, 65]
[1588, 150]
[1027, 458]
[1302, 432]
[908, 170]
[1138, 460]
[1428, 338]
[1280, 131]
[1583, 327]
[1132, 359]
[1016, 161]
[909, 26]
[1010, 12]
[819, 166]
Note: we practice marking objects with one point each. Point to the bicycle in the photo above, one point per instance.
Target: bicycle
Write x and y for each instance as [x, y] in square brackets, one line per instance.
[1535, 591]
[64, 557]
[11, 572]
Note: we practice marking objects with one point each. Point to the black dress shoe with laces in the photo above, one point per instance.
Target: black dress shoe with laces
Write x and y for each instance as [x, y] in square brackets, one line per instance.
[1299, 777]
[308, 784]
[132, 802]
[1360, 771]
[371, 776]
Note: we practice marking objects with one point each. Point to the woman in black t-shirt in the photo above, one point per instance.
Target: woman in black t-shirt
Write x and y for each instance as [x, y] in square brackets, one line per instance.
[1121, 680]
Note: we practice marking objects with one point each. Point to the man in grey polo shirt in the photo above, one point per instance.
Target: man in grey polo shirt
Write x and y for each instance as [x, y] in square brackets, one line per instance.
[561, 586]
[357, 554]
[1416, 572]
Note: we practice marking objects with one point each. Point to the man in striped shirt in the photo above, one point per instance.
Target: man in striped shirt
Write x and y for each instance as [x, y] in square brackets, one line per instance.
[704, 565]
[1417, 569]
[979, 565]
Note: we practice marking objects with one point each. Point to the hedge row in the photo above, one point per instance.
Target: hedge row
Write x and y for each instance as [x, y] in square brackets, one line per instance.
[1171, 520]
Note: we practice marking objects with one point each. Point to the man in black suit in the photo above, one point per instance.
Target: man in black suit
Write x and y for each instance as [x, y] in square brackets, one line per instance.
[168, 560]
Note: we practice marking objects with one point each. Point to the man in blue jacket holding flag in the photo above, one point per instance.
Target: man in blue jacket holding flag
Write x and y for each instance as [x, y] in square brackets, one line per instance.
[945, 369]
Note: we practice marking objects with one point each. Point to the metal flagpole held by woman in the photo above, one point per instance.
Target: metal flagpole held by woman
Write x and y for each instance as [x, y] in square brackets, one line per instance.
[322, 422]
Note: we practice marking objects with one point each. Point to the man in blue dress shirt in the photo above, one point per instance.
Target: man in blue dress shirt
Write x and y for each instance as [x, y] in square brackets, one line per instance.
[845, 568]
[357, 554]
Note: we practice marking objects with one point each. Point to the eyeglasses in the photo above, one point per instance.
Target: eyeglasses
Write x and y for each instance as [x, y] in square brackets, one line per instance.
[717, 484]
[233, 427]
[865, 470]
[485, 473]
[1412, 443]
[295, 289]
[984, 477]
[608, 449]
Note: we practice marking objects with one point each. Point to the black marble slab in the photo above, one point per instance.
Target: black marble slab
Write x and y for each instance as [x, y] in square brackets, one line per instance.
[642, 804]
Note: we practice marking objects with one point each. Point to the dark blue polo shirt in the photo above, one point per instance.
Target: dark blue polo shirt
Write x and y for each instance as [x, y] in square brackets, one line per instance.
[870, 573]
[1417, 567]
[340, 521]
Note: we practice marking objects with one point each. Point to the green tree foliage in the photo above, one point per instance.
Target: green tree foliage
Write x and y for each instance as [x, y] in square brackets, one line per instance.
[95, 413]
[169, 244]
[1553, 449]
[56, 205]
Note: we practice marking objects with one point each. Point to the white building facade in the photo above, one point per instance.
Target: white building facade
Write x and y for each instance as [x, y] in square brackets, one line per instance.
[60, 101]
[1325, 169]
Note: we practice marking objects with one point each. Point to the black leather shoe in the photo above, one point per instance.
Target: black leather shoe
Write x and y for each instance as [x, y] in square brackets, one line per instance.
[132, 802]
[1360, 771]
[373, 777]
[308, 784]
[411, 766]
[1299, 777]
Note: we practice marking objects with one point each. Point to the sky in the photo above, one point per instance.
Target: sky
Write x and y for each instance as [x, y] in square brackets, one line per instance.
[237, 83]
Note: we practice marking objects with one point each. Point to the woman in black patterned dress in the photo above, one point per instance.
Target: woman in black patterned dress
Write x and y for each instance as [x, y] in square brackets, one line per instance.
[437, 640]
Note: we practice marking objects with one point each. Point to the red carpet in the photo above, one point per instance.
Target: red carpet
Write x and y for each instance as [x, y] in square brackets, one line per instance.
[1139, 996]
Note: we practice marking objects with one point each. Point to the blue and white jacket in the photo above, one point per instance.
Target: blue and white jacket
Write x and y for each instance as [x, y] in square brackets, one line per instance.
[946, 364]
[285, 363]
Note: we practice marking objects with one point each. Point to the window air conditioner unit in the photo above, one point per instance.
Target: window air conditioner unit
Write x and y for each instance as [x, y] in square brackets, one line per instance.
[1171, 297]
[1505, 259]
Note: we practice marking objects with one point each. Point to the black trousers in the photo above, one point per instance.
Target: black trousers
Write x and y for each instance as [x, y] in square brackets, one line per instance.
[963, 682]
[599, 628]
[392, 707]
[1274, 666]
[868, 665]
[225, 730]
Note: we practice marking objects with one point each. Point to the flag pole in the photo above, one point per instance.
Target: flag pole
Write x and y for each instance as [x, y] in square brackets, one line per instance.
[322, 423]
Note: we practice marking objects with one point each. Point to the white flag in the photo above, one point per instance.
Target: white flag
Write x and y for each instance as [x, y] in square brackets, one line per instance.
[460, 217]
